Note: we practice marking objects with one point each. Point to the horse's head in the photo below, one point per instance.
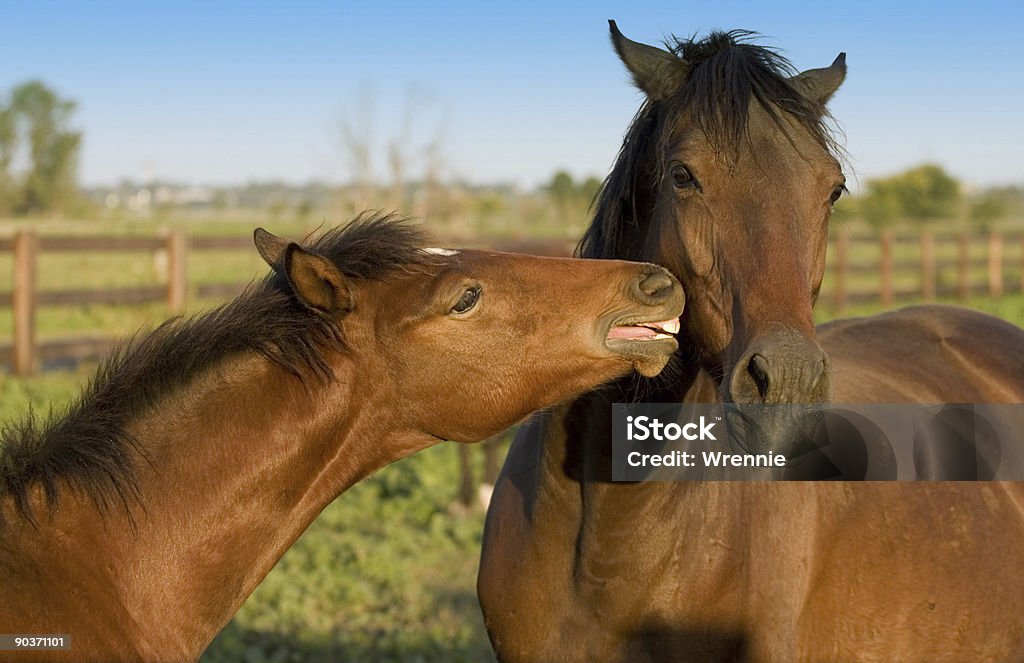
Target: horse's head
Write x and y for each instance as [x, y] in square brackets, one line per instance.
[473, 341]
[728, 177]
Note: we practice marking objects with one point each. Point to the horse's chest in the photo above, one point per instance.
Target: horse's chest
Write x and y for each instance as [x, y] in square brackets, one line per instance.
[648, 596]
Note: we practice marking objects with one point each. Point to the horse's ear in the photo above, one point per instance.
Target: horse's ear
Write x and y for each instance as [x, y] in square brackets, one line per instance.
[271, 247]
[655, 71]
[821, 84]
[316, 281]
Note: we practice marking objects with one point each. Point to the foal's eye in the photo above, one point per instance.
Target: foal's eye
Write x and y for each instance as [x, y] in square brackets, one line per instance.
[468, 300]
[837, 193]
[682, 178]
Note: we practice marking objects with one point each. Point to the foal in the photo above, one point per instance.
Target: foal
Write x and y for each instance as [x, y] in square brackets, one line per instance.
[140, 520]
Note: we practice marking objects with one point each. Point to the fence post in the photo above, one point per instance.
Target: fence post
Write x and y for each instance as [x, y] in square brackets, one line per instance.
[467, 487]
[995, 264]
[177, 280]
[886, 268]
[963, 266]
[26, 249]
[927, 266]
[839, 294]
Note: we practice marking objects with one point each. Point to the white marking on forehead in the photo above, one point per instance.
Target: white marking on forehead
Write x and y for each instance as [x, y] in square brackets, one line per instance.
[441, 252]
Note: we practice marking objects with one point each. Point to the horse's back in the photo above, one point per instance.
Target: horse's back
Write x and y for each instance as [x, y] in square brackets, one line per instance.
[925, 354]
[916, 572]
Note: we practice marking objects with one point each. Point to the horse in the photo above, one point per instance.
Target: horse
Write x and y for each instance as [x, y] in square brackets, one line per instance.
[727, 176]
[139, 520]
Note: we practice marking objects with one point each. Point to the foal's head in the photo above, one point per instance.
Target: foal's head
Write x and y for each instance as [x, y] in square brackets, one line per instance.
[728, 177]
[463, 344]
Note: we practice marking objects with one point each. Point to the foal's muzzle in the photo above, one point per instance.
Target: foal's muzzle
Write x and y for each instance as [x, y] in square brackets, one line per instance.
[655, 287]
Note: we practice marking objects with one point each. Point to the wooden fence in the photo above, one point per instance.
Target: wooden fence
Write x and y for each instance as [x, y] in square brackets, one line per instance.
[890, 268]
[887, 268]
[26, 352]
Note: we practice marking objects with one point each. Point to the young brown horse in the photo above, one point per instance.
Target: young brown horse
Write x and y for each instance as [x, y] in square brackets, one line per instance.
[577, 568]
[139, 521]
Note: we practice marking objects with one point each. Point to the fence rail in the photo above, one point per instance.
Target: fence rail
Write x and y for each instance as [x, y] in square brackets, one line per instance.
[26, 352]
[948, 265]
[886, 268]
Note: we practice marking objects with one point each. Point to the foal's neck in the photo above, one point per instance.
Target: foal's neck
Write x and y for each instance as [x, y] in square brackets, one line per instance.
[239, 464]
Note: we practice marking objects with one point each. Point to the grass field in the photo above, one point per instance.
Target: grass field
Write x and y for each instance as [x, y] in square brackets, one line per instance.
[387, 573]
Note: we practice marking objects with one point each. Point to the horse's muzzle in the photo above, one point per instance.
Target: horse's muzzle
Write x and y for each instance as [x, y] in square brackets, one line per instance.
[774, 388]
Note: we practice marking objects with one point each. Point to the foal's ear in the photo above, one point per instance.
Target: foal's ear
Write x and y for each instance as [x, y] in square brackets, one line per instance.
[271, 247]
[821, 84]
[316, 281]
[655, 71]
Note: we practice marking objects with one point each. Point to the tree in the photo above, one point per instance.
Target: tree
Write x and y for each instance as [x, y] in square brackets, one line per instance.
[36, 118]
[986, 209]
[921, 194]
[880, 207]
[562, 189]
[8, 143]
[414, 151]
[589, 190]
[927, 193]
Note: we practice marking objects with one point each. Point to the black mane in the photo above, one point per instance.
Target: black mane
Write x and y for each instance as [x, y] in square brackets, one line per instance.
[727, 71]
[87, 445]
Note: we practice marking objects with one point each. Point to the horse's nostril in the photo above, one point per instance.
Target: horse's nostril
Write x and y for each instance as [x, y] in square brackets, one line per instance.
[657, 284]
[758, 369]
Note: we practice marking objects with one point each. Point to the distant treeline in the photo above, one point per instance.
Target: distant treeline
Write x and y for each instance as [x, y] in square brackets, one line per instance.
[928, 194]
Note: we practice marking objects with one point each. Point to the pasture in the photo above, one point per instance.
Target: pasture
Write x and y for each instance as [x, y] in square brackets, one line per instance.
[388, 571]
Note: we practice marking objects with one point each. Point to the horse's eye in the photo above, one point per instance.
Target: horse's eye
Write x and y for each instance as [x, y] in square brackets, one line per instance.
[837, 193]
[682, 178]
[467, 301]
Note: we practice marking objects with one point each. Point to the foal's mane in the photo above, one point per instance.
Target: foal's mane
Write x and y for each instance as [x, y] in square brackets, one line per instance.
[726, 72]
[87, 445]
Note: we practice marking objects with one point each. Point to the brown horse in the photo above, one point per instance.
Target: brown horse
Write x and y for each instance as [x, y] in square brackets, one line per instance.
[140, 520]
[725, 177]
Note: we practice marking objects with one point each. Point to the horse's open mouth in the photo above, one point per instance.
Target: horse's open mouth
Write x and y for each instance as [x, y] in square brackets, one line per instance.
[644, 331]
[648, 345]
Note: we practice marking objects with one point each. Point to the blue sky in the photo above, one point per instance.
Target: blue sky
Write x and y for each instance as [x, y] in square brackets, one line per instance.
[231, 91]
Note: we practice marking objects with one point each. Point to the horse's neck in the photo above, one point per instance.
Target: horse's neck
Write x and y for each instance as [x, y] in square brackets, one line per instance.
[237, 468]
[576, 464]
